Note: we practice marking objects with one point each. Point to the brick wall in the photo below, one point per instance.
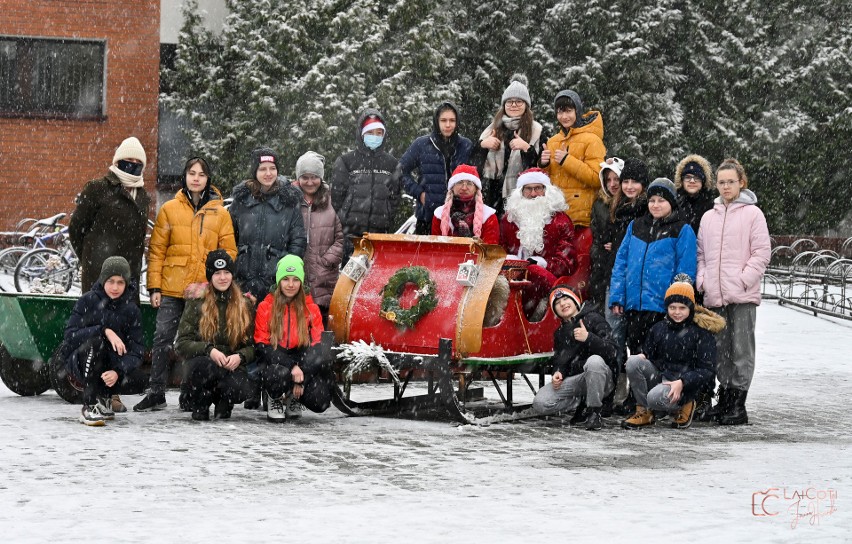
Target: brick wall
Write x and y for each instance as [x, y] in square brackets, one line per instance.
[44, 163]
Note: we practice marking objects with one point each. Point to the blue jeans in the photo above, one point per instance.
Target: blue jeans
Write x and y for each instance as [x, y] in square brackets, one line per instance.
[168, 319]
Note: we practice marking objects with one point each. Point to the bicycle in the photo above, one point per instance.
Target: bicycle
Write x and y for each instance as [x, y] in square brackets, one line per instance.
[49, 271]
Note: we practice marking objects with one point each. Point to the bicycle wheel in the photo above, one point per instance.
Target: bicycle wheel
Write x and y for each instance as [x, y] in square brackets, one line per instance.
[9, 258]
[43, 271]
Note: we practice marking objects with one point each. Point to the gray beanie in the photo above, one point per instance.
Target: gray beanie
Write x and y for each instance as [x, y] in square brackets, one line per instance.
[310, 163]
[115, 266]
[665, 188]
[517, 89]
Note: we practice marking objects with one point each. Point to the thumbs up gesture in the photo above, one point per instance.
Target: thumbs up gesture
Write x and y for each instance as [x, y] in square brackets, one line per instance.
[491, 142]
[518, 143]
[581, 334]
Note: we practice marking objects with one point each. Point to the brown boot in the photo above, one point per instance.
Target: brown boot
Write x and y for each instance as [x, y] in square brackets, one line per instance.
[684, 417]
[117, 405]
[641, 418]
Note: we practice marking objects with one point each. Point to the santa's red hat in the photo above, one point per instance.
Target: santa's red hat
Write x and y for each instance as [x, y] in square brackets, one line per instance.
[372, 122]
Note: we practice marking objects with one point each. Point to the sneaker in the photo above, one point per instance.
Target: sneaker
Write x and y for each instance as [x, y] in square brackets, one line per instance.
[105, 406]
[151, 402]
[683, 419]
[117, 406]
[641, 418]
[275, 410]
[91, 416]
[201, 415]
[593, 421]
[293, 408]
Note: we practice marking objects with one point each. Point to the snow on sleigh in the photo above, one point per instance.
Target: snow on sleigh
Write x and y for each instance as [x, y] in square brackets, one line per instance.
[438, 312]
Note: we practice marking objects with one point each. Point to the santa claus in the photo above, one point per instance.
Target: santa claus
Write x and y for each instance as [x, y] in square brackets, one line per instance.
[536, 228]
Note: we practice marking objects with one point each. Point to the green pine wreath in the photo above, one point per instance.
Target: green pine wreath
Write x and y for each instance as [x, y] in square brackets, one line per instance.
[426, 296]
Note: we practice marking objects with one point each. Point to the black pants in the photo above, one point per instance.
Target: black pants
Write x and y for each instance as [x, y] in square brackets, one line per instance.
[278, 380]
[639, 322]
[104, 358]
[424, 226]
[209, 383]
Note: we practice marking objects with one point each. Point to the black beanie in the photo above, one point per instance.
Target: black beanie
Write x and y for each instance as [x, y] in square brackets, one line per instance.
[218, 260]
[635, 169]
[695, 169]
[665, 188]
[262, 154]
[115, 266]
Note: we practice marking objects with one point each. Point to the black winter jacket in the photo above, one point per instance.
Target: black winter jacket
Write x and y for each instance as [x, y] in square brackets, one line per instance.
[602, 260]
[95, 312]
[434, 159]
[108, 222]
[691, 208]
[682, 351]
[265, 229]
[365, 186]
[569, 355]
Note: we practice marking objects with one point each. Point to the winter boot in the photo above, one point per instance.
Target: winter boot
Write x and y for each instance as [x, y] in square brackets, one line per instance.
[105, 406]
[703, 406]
[151, 402]
[641, 418]
[735, 414]
[183, 401]
[275, 410]
[91, 416]
[593, 421]
[716, 410]
[222, 409]
[683, 419]
[117, 406]
[201, 414]
[252, 403]
[293, 408]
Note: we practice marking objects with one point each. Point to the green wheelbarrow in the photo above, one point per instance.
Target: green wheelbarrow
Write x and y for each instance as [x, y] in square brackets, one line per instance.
[31, 332]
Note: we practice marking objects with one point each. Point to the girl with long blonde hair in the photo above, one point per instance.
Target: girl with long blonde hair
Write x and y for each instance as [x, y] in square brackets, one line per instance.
[215, 336]
[288, 327]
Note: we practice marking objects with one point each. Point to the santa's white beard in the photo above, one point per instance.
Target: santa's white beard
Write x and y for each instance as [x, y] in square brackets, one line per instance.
[532, 214]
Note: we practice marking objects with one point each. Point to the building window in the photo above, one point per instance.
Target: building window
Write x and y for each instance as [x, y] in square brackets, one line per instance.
[52, 77]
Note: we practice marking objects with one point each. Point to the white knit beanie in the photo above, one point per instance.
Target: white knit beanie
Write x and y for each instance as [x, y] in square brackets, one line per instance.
[130, 148]
[517, 89]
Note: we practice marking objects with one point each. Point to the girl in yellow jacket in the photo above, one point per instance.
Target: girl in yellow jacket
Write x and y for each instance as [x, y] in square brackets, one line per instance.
[572, 159]
[188, 227]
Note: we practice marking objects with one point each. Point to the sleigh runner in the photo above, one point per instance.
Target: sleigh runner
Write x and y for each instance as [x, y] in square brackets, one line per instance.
[459, 322]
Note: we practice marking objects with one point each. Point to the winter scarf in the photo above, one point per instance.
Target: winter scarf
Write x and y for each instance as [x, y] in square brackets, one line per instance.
[494, 163]
[129, 182]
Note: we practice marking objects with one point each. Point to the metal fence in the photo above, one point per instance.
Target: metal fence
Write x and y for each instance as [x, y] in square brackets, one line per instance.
[801, 273]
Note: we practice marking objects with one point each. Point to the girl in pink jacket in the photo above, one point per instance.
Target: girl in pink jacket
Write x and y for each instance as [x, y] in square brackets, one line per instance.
[733, 252]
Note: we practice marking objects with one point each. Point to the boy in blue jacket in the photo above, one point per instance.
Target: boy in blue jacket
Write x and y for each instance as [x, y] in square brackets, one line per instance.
[103, 347]
[678, 360]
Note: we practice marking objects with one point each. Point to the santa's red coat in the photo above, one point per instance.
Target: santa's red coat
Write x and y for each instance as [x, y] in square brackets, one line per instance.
[558, 248]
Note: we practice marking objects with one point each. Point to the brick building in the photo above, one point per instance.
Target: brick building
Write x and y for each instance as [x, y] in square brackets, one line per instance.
[76, 78]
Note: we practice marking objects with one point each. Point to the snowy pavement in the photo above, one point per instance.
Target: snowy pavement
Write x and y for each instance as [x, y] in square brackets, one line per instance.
[160, 477]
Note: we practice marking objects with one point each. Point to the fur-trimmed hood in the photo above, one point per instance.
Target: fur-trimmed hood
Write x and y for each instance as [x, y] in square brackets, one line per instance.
[710, 321]
[709, 179]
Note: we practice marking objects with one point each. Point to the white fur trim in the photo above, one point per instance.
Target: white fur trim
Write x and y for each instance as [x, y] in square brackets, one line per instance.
[372, 126]
[531, 178]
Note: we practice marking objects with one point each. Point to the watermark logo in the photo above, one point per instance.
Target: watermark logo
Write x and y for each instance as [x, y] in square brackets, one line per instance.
[809, 505]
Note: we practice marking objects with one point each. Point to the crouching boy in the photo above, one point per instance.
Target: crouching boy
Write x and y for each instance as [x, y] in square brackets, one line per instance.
[102, 348]
[678, 360]
[584, 360]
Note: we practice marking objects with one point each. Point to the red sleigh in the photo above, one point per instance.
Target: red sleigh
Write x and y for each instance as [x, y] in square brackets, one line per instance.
[445, 312]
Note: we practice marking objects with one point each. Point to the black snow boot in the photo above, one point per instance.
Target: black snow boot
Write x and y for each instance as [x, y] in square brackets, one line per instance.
[593, 421]
[579, 414]
[704, 410]
[713, 413]
[735, 414]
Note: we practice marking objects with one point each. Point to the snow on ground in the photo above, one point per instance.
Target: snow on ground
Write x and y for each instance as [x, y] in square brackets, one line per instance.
[161, 477]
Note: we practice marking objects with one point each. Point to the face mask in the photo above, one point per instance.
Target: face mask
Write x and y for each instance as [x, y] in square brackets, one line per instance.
[132, 168]
[372, 141]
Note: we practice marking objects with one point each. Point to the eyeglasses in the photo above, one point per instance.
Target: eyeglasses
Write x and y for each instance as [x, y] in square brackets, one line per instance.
[514, 103]
[726, 183]
[689, 178]
[530, 189]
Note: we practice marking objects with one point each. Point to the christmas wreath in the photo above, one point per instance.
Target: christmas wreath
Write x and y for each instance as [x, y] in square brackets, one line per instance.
[426, 296]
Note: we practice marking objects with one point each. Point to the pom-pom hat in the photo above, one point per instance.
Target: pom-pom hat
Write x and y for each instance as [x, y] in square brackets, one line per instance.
[561, 291]
[681, 292]
[464, 172]
[533, 176]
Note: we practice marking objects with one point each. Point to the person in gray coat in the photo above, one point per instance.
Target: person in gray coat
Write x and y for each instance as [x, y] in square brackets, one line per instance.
[267, 223]
[325, 232]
